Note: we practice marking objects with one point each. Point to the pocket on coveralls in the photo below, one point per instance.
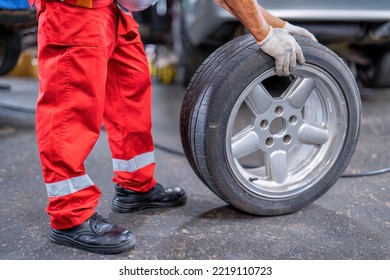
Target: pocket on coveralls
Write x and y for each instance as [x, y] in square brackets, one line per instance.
[128, 29]
[67, 25]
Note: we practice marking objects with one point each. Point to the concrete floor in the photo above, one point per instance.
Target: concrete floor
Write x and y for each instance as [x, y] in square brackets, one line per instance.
[350, 222]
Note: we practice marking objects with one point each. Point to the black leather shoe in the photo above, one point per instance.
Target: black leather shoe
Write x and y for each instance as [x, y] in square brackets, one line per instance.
[158, 197]
[95, 235]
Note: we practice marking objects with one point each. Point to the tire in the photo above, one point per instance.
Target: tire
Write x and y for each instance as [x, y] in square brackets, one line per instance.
[190, 56]
[270, 145]
[10, 48]
[378, 74]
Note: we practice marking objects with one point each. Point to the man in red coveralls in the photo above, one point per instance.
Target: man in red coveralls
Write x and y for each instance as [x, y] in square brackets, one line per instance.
[93, 70]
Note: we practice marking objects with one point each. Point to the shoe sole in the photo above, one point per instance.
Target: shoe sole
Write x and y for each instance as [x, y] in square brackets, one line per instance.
[112, 249]
[120, 207]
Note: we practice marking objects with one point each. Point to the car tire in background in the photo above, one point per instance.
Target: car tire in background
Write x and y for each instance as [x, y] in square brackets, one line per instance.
[378, 74]
[190, 57]
[270, 145]
[10, 48]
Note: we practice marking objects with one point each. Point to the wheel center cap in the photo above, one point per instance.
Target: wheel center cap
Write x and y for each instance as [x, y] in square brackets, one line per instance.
[277, 126]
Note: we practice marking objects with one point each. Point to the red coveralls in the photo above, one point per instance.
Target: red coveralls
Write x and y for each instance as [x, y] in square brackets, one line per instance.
[92, 69]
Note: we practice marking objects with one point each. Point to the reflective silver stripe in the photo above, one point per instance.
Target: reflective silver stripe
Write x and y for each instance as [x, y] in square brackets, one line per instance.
[68, 186]
[133, 164]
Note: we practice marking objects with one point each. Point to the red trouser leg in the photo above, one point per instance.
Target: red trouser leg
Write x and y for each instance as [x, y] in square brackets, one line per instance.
[127, 115]
[74, 46]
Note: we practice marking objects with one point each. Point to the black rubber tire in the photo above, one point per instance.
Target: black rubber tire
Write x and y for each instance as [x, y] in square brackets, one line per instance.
[10, 48]
[207, 105]
[190, 56]
[378, 75]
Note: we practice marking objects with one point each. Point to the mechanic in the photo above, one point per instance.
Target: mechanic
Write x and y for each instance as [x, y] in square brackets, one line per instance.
[272, 34]
[93, 70]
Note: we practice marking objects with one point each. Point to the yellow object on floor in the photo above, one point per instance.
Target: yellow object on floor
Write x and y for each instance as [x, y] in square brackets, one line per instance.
[162, 63]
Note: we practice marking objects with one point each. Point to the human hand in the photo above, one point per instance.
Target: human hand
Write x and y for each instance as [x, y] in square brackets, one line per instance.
[282, 46]
[296, 30]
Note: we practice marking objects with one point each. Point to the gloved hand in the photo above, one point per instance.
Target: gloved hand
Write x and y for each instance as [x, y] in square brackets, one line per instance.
[296, 30]
[282, 46]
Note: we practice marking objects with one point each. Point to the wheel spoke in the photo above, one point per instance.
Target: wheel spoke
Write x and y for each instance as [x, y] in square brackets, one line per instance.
[245, 143]
[300, 92]
[258, 100]
[277, 166]
[313, 134]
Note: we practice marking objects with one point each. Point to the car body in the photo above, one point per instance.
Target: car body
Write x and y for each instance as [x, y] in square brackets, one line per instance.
[17, 21]
[357, 30]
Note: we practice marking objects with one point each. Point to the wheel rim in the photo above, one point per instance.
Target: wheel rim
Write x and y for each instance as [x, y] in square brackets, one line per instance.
[285, 133]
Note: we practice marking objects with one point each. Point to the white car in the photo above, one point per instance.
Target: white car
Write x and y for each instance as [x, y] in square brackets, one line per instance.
[357, 30]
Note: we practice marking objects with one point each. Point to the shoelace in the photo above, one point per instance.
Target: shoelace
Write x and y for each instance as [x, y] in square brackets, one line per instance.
[95, 222]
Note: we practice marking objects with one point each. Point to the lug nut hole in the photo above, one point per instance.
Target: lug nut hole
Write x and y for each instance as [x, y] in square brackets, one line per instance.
[293, 120]
[279, 110]
[287, 139]
[269, 142]
[264, 124]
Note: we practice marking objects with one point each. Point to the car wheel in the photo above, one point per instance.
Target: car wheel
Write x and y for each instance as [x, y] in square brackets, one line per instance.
[10, 48]
[190, 56]
[270, 145]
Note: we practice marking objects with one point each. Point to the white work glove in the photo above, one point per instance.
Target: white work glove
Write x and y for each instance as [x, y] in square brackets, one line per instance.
[296, 30]
[282, 46]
